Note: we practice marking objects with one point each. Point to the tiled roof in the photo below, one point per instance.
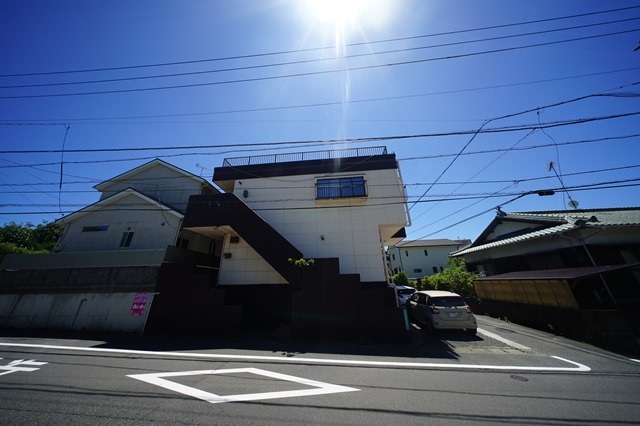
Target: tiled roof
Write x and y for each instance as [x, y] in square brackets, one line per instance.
[621, 216]
[564, 220]
[530, 236]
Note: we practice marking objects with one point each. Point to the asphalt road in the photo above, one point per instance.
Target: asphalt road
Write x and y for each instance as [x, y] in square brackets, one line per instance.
[506, 374]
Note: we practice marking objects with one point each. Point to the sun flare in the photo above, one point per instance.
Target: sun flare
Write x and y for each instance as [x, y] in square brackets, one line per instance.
[338, 12]
[344, 16]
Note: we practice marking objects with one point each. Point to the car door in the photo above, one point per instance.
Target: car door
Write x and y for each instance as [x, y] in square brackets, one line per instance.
[412, 305]
[419, 307]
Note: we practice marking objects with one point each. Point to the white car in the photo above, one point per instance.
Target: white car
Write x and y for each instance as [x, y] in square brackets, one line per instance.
[404, 293]
[440, 310]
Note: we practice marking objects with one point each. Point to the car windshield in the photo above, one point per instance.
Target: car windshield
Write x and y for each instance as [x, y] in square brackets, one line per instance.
[447, 301]
[405, 292]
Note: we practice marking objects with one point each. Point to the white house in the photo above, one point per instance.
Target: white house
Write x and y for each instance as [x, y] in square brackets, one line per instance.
[421, 258]
[141, 209]
[104, 270]
[339, 208]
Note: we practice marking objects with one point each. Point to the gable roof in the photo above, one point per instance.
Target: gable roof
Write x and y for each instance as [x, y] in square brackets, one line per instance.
[146, 166]
[98, 206]
[552, 222]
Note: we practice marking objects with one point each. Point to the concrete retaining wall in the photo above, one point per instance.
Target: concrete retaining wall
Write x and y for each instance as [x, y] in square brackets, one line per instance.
[93, 312]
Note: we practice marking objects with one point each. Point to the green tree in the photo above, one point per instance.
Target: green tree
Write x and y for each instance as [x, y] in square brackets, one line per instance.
[400, 278]
[28, 238]
[456, 278]
[18, 235]
[46, 235]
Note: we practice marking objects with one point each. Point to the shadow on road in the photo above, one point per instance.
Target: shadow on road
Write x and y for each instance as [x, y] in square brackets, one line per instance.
[417, 344]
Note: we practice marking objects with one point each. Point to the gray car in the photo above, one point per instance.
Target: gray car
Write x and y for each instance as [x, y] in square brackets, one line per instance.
[441, 310]
[403, 292]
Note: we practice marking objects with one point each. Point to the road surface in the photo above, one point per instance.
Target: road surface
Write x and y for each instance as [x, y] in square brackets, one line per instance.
[507, 374]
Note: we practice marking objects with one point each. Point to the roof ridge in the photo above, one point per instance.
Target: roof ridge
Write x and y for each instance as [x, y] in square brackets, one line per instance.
[576, 211]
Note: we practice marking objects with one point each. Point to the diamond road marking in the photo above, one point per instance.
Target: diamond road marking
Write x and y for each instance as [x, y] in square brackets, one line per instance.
[318, 388]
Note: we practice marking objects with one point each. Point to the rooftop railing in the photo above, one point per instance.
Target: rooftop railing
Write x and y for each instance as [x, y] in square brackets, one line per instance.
[304, 156]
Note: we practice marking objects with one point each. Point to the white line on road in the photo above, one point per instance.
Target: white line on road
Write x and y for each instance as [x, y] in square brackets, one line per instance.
[317, 388]
[299, 360]
[503, 340]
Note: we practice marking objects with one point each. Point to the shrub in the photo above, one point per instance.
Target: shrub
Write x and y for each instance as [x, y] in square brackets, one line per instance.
[400, 278]
[456, 278]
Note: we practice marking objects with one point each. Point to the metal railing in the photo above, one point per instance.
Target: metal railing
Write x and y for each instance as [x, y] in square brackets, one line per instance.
[304, 156]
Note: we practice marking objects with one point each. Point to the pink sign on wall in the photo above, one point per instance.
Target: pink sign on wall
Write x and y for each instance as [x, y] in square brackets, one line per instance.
[139, 303]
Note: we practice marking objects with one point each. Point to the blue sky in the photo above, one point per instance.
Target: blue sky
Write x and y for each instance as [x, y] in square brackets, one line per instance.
[545, 81]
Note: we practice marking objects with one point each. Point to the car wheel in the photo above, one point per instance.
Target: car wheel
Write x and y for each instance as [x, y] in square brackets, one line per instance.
[472, 331]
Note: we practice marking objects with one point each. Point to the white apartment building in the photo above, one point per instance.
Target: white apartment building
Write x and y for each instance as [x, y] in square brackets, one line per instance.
[421, 258]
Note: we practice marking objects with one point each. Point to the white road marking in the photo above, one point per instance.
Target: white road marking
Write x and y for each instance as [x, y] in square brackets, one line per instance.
[299, 360]
[318, 388]
[636, 360]
[17, 365]
[503, 340]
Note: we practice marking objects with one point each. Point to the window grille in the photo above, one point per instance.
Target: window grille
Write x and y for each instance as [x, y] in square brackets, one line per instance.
[347, 187]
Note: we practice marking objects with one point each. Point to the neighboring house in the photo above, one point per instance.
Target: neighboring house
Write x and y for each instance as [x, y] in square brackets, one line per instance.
[339, 208]
[141, 209]
[546, 266]
[164, 182]
[555, 239]
[126, 221]
[421, 258]
[109, 255]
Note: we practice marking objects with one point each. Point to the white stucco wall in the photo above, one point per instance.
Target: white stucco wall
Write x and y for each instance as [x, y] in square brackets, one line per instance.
[345, 228]
[245, 266]
[153, 228]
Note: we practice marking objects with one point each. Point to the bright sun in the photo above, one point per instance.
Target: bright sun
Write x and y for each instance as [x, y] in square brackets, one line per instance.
[346, 15]
[338, 12]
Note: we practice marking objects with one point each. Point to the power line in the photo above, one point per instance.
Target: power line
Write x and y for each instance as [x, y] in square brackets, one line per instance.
[517, 198]
[310, 73]
[423, 157]
[505, 129]
[307, 61]
[314, 105]
[297, 51]
[290, 186]
[522, 148]
[596, 186]
[511, 115]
